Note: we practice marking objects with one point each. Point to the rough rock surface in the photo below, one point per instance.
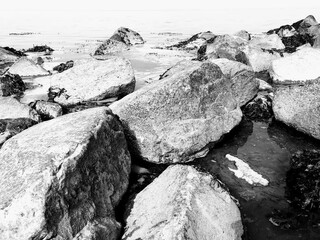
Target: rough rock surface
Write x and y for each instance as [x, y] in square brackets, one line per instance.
[264, 86]
[259, 109]
[7, 56]
[11, 84]
[243, 34]
[299, 107]
[265, 41]
[63, 178]
[127, 36]
[189, 205]
[91, 81]
[111, 46]
[299, 67]
[12, 108]
[63, 66]
[47, 110]
[175, 119]
[25, 67]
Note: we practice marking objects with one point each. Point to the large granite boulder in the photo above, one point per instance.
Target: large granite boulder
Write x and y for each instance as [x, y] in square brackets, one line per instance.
[47, 110]
[265, 41]
[11, 84]
[7, 59]
[177, 118]
[25, 67]
[62, 179]
[299, 107]
[92, 80]
[184, 204]
[299, 67]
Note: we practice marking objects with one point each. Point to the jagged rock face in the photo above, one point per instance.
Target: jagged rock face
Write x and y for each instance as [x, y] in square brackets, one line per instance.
[25, 67]
[63, 178]
[298, 67]
[111, 46]
[127, 36]
[299, 107]
[177, 118]
[12, 108]
[91, 81]
[11, 84]
[47, 110]
[189, 205]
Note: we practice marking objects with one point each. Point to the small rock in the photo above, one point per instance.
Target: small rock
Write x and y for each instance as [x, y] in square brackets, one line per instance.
[64, 66]
[264, 86]
[41, 48]
[11, 84]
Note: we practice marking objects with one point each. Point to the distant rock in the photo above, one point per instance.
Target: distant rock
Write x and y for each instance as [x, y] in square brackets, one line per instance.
[63, 178]
[41, 48]
[64, 66]
[47, 110]
[111, 46]
[25, 67]
[177, 118]
[259, 109]
[299, 67]
[189, 205]
[11, 84]
[12, 108]
[299, 107]
[92, 80]
[222, 46]
[193, 43]
[7, 59]
[16, 52]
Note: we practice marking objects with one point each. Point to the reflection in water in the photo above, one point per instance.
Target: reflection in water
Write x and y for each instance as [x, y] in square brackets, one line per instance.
[267, 149]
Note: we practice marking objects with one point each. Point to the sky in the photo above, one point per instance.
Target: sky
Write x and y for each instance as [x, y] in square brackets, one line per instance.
[84, 5]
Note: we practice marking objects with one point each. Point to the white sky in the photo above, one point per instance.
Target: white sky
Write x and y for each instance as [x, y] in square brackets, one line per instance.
[74, 5]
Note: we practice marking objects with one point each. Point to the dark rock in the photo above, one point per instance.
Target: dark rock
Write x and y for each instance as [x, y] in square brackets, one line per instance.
[259, 109]
[303, 182]
[127, 36]
[16, 52]
[47, 110]
[293, 42]
[40, 60]
[11, 84]
[111, 46]
[64, 66]
[41, 48]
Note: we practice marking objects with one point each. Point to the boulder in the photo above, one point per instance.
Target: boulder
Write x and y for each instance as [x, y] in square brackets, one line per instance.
[11, 84]
[111, 46]
[27, 68]
[222, 46]
[264, 41]
[15, 51]
[91, 81]
[40, 48]
[64, 66]
[259, 109]
[47, 110]
[243, 34]
[7, 56]
[299, 107]
[177, 118]
[127, 36]
[299, 67]
[189, 205]
[12, 108]
[63, 178]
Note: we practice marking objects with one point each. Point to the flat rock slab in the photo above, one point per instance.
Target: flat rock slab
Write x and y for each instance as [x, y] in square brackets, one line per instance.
[299, 107]
[25, 67]
[177, 118]
[91, 81]
[184, 204]
[62, 178]
[299, 67]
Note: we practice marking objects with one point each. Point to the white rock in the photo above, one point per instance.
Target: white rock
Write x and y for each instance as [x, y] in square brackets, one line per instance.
[263, 85]
[245, 172]
[267, 41]
[184, 204]
[26, 68]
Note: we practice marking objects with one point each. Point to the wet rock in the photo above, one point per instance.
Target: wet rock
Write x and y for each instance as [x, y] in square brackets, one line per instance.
[25, 67]
[16, 52]
[259, 109]
[303, 180]
[12, 108]
[11, 84]
[299, 67]
[193, 43]
[47, 110]
[223, 46]
[177, 118]
[64, 66]
[299, 107]
[190, 205]
[91, 81]
[111, 46]
[62, 179]
[40, 48]
[127, 36]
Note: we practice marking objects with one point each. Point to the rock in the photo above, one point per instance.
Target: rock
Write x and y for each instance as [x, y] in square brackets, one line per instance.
[223, 46]
[267, 42]
[299, 67]
[299, 107]
[189, 205]
[64, 66]
[12, 108]
[111, 46]
[177, 118]
[302, 180]
[259, 109]
[193, 43]
[91, 81]
[284, 31]
[11, 84]
[41, 48]
[7, 56]
[64, 177]
[244, 84]
[243, 34]
[127, 36]
[16, 52]
[40, 60]
[47, 110]
[292, 43]
[264, 86]
[180, 66]
[27, 68]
